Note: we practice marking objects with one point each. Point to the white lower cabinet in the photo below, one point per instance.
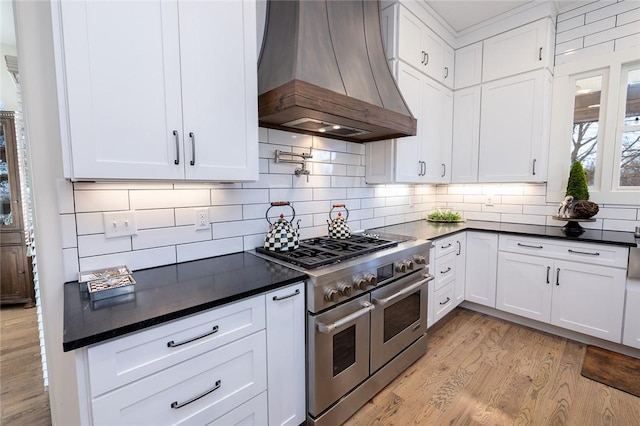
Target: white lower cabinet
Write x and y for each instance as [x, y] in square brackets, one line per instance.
[583, 297]
[446, 291]
[286, 355]
[194, 392]
[239, 364]
[481, 268]
[631, 335]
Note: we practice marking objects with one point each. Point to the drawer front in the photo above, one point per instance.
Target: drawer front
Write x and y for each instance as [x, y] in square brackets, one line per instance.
[444, 301]
[444, 270]
[251, 413]
[224, 378]
[595, 254]
[13, 238]
[445, 246]
[125, 359]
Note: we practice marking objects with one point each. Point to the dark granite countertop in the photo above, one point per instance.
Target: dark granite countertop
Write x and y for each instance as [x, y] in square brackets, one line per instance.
[431, 231]
[169, 292]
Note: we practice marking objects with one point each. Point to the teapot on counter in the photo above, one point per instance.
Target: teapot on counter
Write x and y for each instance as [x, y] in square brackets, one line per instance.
[338, 227]
[282, 235]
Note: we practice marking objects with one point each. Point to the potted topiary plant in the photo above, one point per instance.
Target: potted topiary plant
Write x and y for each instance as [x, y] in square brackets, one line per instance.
[581, 207]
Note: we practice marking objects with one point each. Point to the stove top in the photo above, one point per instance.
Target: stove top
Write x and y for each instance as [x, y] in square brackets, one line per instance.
[321, 251]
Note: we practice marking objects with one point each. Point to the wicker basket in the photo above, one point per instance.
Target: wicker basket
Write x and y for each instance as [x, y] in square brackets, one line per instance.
[584, 209]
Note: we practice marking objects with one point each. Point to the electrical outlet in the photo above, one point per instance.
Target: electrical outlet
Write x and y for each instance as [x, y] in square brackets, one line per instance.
[489, 202]
[119, 224]
[202, 219]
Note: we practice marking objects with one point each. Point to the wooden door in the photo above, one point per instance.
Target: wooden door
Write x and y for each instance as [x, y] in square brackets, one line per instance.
[14, 275]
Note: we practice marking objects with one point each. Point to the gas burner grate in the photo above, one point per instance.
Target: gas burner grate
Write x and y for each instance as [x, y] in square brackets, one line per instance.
[321, 251]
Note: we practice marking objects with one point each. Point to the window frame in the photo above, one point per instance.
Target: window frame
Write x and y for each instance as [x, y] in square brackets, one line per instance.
[621, 127]
[606, 189]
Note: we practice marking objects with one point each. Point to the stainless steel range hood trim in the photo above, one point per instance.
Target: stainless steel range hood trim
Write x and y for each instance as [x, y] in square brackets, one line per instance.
[325, 60]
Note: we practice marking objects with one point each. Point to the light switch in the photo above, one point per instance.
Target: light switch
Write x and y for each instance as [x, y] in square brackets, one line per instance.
[119, 224]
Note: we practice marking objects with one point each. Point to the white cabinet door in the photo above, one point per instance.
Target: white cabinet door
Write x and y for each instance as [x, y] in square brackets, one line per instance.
[588, 299]
[481, 268]
[631, 336]
[433, 47]
[468, 70]
[123, 97]
[286, 355]
[466, 135]
[522, 49]
[461, 259]
[410, 40]
[408, 158]
[436, 131]
[448, 77]
[524, 285]
[219, 87]
[513, 134]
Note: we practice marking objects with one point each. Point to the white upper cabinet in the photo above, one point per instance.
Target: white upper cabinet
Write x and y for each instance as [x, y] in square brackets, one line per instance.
[514, 129]
[469, 66]
[148, 88]
[424, 49]
[522, 49]
[466, 135]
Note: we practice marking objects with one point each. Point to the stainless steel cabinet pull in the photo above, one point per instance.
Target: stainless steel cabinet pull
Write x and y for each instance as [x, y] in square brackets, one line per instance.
[426, 55]
[584, 252]
[415, 327]
[193, 148]
[446, 301]
[447, 246]
[444, 170]
[176, 404]
[529, 246]
[323, 328]
[534, 167]
[540, 54]
[459, 248]
[558, 276]
[177, 137]
[446, 72]
[548, 271]
[406, 290]
[295, 293]
[171, 343]
[446, 270]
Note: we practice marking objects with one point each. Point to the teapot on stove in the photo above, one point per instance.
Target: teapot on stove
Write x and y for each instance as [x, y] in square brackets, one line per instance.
[338, 227]
[282, 235]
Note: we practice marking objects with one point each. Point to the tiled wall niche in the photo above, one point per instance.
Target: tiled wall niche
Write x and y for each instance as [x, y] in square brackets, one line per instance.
[165, 211]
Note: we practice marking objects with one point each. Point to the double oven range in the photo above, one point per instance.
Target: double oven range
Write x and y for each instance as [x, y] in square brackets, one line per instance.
[366, 316]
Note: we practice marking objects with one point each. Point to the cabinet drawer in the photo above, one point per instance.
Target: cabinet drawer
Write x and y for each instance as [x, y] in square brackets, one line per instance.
[444, 301]
[445, 246]
[224, 378]
[251, 413]
[123, 360]
[444, 270]
[595, 254]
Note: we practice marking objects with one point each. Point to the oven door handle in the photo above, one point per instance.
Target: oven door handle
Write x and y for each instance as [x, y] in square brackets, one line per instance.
[323, 328]
[406, 290]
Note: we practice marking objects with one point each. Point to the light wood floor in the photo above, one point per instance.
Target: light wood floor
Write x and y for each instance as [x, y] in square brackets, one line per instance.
[23, 398]
[481, 370]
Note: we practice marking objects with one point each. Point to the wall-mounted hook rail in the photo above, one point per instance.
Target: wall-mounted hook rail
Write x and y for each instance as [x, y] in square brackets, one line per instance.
[300, 170]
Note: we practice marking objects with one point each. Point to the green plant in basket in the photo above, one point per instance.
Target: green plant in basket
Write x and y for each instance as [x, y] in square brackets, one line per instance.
[448, 216]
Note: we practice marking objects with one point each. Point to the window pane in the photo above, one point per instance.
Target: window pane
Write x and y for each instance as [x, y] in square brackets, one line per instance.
[586, 116]
[630, 152]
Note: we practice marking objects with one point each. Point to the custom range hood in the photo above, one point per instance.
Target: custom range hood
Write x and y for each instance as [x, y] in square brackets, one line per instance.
[323, 71]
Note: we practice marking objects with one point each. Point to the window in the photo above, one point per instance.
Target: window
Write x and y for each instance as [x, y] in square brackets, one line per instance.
[596, 120]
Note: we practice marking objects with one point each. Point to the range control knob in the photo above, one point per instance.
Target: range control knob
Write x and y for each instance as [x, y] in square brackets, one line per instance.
[401, 267]
[360, 283]
[345, 289]
[409, 264]
[420, 260]
[371, 279]
[331, 295]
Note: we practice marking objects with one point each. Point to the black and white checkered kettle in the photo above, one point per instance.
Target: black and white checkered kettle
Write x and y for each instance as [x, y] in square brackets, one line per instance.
[338, 227]
[282, 235]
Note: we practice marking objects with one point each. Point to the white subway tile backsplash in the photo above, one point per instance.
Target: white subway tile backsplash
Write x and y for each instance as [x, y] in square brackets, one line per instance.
[202, 250]
[503, 208]
[617, 213]
[97, 244]
[611, 11]
[328, 169]
[254, 211]
[162, 218]
[611, 34]
[627, 42]
[90, 223]
[311, 207]
[287, 138]
[620, 225]
[161, 199]
[68, 227]
[523, 199]
[282, 168]
[186, 216]
[221, 197]
[240, 228]
[205, 185]
[139, 259]
[263, 134]
[70, 264]
[263, 165]
[372, 223]
[587, 52]
[150, 238]
[346, 181]
[396, 201]
[226, 213]
[356, 148]
[492, 217]
[583, 9]
[329, 193]
[526, 219]
[360, 214]
[96, 186]
[633, 15]
[266, 180]
[291, 194]
[355, 171]
[368, 203]
[394, 219]
[585, 30]
[385, 211]
[570, 23]
[250, 242]
[312, 181]
[544, 210]
[65, 196]
[569, 46]
[321, 156]
[329, 144]
[535, 189]
[344, 158]
[101, 201]
[360, 192]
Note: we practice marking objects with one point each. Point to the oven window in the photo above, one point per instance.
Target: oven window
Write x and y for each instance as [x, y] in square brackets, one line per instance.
[401, 315]
[344, 350]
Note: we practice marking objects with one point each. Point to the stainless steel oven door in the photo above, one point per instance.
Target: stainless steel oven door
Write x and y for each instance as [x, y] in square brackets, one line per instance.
[400, 317]
[338, 352]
